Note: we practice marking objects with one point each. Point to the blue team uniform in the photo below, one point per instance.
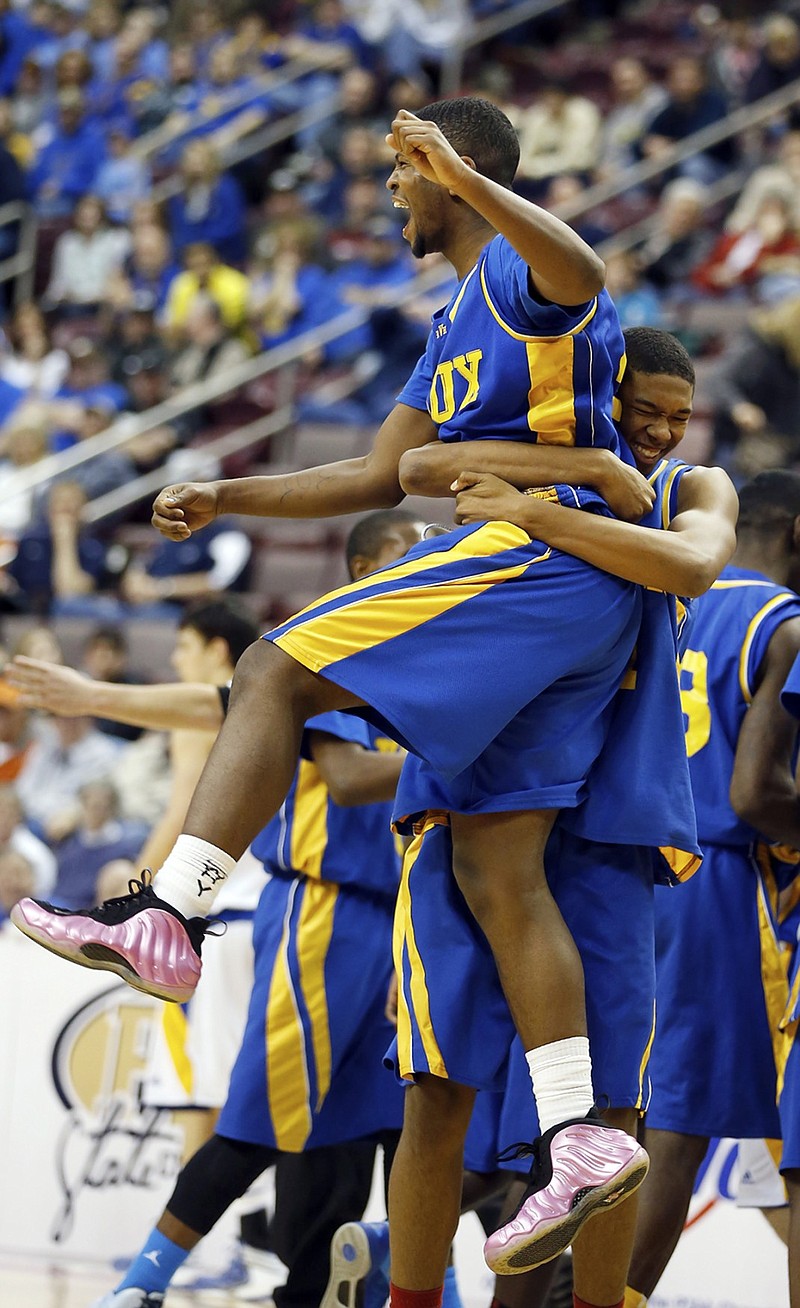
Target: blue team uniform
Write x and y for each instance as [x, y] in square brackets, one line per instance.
[310, 1070]
[514, 616]
[603, 887]
[721, 978]
[788, 1053]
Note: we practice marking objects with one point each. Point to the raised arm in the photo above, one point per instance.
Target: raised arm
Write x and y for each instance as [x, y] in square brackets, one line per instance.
[69, 694]
[349, 486]
[684, 560]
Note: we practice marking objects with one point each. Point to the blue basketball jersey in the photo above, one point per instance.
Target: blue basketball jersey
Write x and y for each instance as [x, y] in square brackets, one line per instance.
[627, 802]
[733, 626]
[502, 365]
[313, 837]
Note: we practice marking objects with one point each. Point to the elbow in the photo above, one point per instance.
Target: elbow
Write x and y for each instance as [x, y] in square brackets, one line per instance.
[595, 274]
[345, 793]
[750, 805]
[415, 472]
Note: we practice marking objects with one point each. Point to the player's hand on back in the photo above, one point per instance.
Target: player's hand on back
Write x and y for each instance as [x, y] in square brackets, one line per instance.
[627, 493]
[424, 145]
[482, 497]
[184, 508]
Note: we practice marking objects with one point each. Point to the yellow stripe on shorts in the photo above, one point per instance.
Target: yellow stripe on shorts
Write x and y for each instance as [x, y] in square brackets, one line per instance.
[419, 1001]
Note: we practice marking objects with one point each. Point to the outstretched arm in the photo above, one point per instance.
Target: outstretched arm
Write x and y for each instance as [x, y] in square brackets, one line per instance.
[684, 560]
[70, 694]
[350, 486]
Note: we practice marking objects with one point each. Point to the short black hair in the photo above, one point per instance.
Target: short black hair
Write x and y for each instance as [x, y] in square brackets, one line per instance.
[770, 502]
[225, 619]
[657, 353]
[477, 128]
[369, 533]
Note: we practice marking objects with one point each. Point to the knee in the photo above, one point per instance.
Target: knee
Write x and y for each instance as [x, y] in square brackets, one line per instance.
[264, 668]
[437, 1114]
[674, 1156]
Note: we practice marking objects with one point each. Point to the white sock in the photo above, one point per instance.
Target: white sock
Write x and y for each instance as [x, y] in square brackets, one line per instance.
[192, 876]
[561, 1074]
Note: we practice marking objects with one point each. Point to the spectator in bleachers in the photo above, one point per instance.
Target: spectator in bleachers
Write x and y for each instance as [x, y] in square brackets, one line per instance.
[123, 177]
[779, 62]
[781, 177]
[370, 281]
[679, 241]
[326, 37]
[17, 879]
[73, 71]
[99, 836]
[30, 361]
[105, 658]
[636, 99]
[763, 259]
[16, 836]
[212, 562]
[57, 558]
[358, 107]
[66, 754]
[362, 198]
[29, 101]
[19, 146]
[203, 28]
[559, 133]
[169, 104]
[733, 55]
[102, 24]
[149, 269]
[638, 304]
[291, 292]
[755, 392]
[210, 350]
[17, 39]
[209, 207]
[232, 104]
[410, 34]
[87, 381]
[25, 442]
[206, 274]
[362, 153]
[567, 189]
[692, 104]
[135, 342]
[84, 259]
[105, 472]
[256, 45]
[65, 167]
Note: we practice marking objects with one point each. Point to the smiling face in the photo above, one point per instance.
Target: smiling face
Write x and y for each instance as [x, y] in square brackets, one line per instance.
[656, 408]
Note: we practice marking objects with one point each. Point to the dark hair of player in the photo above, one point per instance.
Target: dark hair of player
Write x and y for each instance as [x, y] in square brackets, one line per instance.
[369, 534]
[223, 619]
[657, 353]
[769, 502]
[478, 129]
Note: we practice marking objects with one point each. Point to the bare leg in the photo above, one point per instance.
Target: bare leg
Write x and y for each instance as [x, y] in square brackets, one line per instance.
[425, 1184]
[664, 1202]
[498, 862]
[531, 1288]
[780, 1221]
[253, 761]
[792, 1180]
[602, 1251]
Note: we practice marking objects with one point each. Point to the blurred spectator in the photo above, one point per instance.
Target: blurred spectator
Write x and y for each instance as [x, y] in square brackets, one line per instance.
[102, 23]
[678, 241]
[87, 381]
[205, 274]
[779, 63]
[326, 39]
[638, 304]
[17, 880]
[209, 207]
[362, 198]
[66, 755]
[148, 270]
[73, 70]
[17, 142]
[568, 190]
[231, 103]
[105, 658]
[56, 557]
[135, 343]
[763, 258]
[636, 99]
[29, 102]
[107, 471]
[358, 107]
[362, 153]
[755, 392]
[123, 178]
[733, 55]
[779, 178]
[213, 561]
[85, 258]
[370, 281]
[168, 105]
[30, 362]
[410, 34]
[558, 134]
[16, 836]
[291, 292]
[211, 349]
[692, 105]
[25, 442]
[17, 38]
[99, 836]
[66, 167]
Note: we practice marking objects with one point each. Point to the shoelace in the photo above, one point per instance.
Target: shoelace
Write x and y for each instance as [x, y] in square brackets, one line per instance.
[522, 1149]
[136, 889]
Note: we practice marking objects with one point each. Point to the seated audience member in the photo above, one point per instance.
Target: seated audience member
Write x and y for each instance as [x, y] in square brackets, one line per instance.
[691, 105]
[290, 292]
[17, 837]
[135, 342]
[559, 133]
[779, 62]
[209, 207]
[66, 754]
[87, 381]
[211, 349]
[28, 105]
[370, 281]
[779, 177]
[763, 259]
[25, 442]
[678, 241]
[123, 178]
[148, 270]
[206, 274]
[32, 363]
[231, 102]
[636, 99]
[85, 258]
[65, 168]
[638, 304]
[211, 562]
[56, 558]
[107, 471]
[105, 658]
[16, 879]
[98, 837]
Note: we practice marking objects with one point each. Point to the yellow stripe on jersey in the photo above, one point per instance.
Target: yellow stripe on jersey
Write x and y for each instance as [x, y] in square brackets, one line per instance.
[773, 963]
[404, 941]
[309, 836]
[750, 635]
[454, 310]
[666, 492]
[314, 932]
[645, 1060]
[323, 640]
[523, 336]
[176, 1029]
[287, 1072]
[551, 398]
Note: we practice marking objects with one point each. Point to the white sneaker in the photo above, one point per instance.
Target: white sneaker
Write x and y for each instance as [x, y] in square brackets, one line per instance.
[130, 1298]
[265, 1272]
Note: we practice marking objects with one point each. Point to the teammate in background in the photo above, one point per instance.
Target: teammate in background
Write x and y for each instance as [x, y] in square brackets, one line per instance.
[528, 348]
[722, 985]
[315, 1099]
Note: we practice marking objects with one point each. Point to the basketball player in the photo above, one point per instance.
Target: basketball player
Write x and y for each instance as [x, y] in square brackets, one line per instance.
[529, 347]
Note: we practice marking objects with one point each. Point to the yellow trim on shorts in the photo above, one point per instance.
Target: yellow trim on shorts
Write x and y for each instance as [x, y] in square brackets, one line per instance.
[774, 977]
[288, 1083]
[404, 942]
[175, 1026]
[646, 1059]
[314, 931]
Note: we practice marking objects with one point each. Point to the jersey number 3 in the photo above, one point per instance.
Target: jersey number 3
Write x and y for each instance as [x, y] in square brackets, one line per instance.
[694, 700]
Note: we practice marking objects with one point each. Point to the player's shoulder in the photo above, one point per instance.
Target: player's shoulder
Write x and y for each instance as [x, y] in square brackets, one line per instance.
[704, 486]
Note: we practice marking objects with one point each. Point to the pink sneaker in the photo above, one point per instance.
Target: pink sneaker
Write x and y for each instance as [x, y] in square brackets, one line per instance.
[580, 1168]
[139, 936]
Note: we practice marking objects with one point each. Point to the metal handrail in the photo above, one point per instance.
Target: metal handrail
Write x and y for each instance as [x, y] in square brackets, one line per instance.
[20, 266]
[483, 30]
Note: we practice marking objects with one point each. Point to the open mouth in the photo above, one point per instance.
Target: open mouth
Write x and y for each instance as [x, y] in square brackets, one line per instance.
[401, 204]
